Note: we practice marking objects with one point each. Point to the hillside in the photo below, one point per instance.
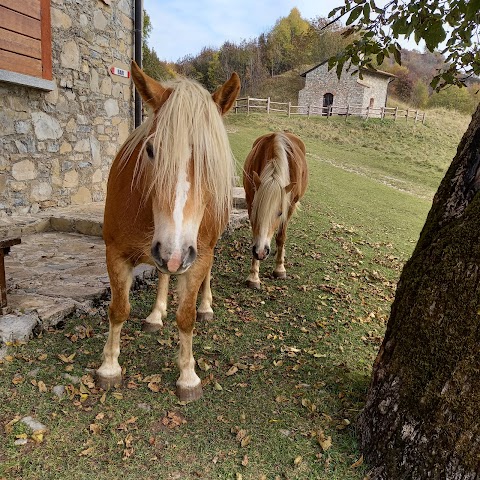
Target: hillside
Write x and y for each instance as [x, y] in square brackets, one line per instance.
[407, 156]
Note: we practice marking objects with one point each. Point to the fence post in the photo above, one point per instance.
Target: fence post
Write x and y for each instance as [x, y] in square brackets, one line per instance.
[416, 116]
[396, 112]
[308, 110]
[368, 112]
[346, 113]
[423, 119]
[248, 105]
[382, 112]
[406, 116]
[268, 106]
[289, 107]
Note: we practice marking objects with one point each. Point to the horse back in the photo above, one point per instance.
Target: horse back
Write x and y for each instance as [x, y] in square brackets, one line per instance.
[263, 151]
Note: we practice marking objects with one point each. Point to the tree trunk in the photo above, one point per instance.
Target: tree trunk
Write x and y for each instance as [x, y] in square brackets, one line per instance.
[422, 415]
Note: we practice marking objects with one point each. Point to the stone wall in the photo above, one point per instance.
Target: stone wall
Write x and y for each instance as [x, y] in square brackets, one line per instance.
[349, 90]
[56, 147]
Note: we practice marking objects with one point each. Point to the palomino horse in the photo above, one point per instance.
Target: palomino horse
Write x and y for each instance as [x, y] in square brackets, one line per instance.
[275, 178]
[168, 201]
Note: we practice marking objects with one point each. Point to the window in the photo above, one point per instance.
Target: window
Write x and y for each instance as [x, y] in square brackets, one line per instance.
[25, 41]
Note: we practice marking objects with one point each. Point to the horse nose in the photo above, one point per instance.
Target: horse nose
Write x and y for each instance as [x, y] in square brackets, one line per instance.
[173, 261]
[260, 255]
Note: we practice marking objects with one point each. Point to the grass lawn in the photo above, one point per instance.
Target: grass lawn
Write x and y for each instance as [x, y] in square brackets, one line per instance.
[285, 368]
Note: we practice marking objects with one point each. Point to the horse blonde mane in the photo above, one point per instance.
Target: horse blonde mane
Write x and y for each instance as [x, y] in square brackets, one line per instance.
[188, 125]
[273, 179]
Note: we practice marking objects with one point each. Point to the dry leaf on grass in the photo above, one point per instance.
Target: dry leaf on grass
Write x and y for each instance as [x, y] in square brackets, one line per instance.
[232, 371]
[324, 441]
[65, 358]
[173, 420]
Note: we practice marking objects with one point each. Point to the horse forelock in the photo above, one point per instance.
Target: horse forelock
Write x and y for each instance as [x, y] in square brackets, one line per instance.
[188, 127]
[274, 177]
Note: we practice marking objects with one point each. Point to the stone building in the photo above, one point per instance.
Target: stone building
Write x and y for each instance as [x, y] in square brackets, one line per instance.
[324, 89]
[64, 107]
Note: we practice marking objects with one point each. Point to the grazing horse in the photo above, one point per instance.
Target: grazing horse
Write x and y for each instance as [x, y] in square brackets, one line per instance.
[168, 200]
[275, 178]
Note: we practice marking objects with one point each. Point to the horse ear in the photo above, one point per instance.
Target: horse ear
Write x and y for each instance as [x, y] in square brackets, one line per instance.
[256, 180]
[152, 92]
[226, 95]
[289, 187]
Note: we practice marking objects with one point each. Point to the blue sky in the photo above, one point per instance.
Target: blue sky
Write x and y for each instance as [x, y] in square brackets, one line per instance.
[183, 27]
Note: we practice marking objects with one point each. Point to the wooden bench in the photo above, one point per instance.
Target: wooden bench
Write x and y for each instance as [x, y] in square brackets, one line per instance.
[5, 245]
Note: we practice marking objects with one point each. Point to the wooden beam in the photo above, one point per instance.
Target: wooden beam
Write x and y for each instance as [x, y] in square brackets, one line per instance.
[20, 64]
[46, 29]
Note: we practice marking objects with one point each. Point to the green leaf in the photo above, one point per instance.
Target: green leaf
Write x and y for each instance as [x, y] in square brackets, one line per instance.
[339, 69]
[366, 12]
[434, 35]
[354, 15]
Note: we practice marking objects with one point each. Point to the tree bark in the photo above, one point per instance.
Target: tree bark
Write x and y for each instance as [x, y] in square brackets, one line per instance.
[422, 414]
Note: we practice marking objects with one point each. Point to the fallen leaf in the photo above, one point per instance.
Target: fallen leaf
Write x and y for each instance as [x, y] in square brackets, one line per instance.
[117, 395]
[17, 379]
[173, 420]
[245, 461]
[357, 463]
[157, 378]
[100, 416]
[41, 357]
[246, 441]
[217, 386]
[103, 398]
[232, 371]
[85, 453]
[324, 441]
[203, 364]
[65, 358]
[37, 437]
[42, 388]
[297, 460]
[95, 428]
[154, 387]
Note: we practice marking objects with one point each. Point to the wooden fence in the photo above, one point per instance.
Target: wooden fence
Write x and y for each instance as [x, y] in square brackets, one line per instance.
[250, 104]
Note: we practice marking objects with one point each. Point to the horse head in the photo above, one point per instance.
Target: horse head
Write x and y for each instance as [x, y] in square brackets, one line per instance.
[186, 156]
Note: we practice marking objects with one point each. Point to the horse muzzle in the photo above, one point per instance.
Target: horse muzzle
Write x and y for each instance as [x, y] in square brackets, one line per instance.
[260, 254]
[173, 263]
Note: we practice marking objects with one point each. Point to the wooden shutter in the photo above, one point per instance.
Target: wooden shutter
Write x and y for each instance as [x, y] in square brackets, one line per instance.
[25, 37]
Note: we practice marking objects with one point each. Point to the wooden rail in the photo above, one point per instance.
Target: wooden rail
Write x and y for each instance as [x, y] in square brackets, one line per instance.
[249, 104]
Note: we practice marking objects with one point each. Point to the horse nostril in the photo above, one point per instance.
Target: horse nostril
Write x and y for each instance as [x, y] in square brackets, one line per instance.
[155, 251]
[267, 251]
[254, 252]
[191, 256]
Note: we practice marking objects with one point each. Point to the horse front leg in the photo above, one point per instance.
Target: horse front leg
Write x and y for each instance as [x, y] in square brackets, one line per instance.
[120, 274]
[253, 280]
[189, 386]
[205, 311]
[280, 238]
[154, 322]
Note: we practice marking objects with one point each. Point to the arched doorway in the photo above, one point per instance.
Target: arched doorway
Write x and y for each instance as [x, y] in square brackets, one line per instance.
[327, 102]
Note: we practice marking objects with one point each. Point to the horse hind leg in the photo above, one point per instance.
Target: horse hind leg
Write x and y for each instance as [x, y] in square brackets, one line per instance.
[280, 238]
[154, 321]
[120, 274]
[205, 311]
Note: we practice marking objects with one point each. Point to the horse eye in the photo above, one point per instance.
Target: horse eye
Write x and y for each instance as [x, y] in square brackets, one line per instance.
[279, 214]
[149, 149]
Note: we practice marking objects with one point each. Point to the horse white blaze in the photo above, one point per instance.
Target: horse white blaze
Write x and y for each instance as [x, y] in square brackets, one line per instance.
[181, 197]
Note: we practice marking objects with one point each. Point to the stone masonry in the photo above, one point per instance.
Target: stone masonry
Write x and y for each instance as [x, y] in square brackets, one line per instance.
[56, 147]
[349, 90]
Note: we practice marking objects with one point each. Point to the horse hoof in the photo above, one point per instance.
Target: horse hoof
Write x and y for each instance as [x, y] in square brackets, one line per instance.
[189, 394]
[108, 382]
[202, 316]
[151, 327]
[253, 285]
[282, 275]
